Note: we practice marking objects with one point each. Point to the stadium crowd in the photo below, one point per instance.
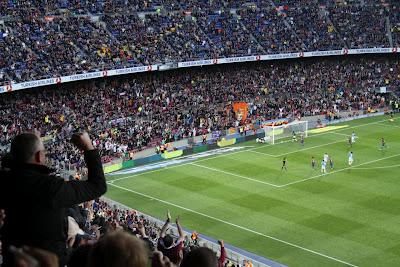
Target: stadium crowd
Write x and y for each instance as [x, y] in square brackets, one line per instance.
[43, 39]
[98, 231]
[69, 226]
[134, 112]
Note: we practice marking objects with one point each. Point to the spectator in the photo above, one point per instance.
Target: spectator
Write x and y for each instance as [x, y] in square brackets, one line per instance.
[339, 84]
[119, 249]
[204, 257]
[159, 260]
[173, 249]
[31, 192]
[33, 257]
[38, 41]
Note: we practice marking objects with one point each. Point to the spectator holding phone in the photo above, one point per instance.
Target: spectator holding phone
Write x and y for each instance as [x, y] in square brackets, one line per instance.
[36, 201]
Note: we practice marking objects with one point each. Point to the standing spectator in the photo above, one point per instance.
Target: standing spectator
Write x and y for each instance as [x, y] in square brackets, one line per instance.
[166, 244]
[35, 200]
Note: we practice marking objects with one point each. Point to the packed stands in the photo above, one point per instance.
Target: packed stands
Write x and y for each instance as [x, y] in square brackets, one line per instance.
[130, 113]
[40, 39]
[43, 39]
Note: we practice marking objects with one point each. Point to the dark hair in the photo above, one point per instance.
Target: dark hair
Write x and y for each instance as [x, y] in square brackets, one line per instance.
[24, 146]
[80, 256]
[168, 240]
[200, 257]
[118, 249]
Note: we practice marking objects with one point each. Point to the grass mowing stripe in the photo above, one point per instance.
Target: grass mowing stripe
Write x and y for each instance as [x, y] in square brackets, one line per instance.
[261, 153]
[325, 174]
[389, 125]
[234, 174]
[147, 172]
[342, 134]
[381, 167]
[235, 225]
[244, 150]
[308, 148]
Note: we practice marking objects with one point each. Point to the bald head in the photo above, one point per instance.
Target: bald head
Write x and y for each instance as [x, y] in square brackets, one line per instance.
[27, 148]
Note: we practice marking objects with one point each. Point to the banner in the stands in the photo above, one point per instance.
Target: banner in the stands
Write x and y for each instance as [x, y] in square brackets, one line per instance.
[8, 87]
[225, 142]
[72, 78]
[274, 122]
[112, 168]
[172, 154]
[240, 109]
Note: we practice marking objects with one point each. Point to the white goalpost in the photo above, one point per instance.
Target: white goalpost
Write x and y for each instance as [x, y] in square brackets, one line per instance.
[298, 128]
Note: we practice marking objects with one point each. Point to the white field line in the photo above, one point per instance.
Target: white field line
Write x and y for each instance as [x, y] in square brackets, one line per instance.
[381, 167]
[234, 174]
[293, 152]
[389, 125]
[325, 174]
[240, 151]
[146, 172]
[347, 135]
[261, 153]
[235, 225]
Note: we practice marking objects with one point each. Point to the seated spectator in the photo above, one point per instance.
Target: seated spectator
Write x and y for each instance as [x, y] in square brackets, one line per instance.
[204, 257]
[119, 249]
[33, 257]
[30, 192]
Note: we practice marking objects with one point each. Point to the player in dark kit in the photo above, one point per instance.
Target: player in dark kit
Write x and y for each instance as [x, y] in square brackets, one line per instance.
[284, 164]
[302, 140]
[313, 162]
[383, 143]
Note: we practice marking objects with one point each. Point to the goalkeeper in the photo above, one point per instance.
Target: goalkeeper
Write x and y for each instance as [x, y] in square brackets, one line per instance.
[294, 137]
[262, 140]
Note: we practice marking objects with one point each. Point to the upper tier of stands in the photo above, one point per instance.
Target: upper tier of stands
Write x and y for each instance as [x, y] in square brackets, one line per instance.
[42, 39]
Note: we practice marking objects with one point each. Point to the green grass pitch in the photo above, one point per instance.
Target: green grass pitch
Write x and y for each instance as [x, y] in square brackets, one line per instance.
[298, 217]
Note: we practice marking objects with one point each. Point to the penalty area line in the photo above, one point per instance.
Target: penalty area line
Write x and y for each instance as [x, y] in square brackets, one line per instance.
[333, 172]
[234, 174]
[235, 225]
[376, 168]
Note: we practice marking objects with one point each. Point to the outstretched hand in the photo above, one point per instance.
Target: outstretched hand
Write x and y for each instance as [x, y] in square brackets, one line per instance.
[168, 216]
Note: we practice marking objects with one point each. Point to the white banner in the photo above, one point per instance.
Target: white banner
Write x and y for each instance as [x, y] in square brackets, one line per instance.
[132, 70]
[197, 63]
[73, 78]
[238, 59]
[105, 73]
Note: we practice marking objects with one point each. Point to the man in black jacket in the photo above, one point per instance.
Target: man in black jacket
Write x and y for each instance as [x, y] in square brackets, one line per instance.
[35, 201]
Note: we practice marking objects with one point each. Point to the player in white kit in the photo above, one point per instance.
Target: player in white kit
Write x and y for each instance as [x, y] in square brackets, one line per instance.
[351, 158]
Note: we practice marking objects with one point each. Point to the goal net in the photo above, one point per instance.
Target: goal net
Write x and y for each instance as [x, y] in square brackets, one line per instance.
[292, 131]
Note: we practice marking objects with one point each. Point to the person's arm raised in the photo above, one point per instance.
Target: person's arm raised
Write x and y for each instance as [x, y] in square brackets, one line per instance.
[181, 234]
[69, 193]
[164, 228]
